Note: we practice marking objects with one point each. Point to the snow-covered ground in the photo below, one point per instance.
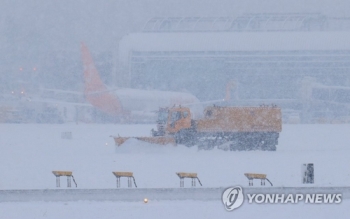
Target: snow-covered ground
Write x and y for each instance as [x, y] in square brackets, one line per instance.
[168, 210]
[29, 154]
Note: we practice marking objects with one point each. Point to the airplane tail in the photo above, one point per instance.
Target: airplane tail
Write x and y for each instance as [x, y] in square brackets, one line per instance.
[95, 90]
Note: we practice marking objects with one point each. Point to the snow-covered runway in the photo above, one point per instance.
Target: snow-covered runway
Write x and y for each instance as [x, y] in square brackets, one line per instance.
[167, 194]
[169, 210]
[29, 154]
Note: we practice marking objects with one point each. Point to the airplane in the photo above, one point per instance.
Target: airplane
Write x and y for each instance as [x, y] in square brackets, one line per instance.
[126, 104]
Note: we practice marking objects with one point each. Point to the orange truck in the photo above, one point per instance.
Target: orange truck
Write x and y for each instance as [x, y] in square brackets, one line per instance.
[238, 128]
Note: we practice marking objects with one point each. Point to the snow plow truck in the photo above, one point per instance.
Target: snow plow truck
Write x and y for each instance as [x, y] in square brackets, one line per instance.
[229, 128]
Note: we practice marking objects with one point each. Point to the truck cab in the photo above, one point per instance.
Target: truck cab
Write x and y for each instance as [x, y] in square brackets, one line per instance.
[172, 120]
[178, 118]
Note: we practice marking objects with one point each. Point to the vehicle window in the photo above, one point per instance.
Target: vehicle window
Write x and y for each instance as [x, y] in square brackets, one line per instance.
[175, 116]
[185, 114]
[209, 113]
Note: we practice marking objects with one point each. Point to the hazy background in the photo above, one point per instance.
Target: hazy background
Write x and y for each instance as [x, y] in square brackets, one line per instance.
[40, 48]
[46, 35]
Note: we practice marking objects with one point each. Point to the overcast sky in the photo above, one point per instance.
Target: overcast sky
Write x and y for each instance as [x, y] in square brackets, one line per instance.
[63, 24]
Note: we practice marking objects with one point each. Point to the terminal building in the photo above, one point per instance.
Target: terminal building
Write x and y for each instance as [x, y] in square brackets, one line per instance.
[300, 62]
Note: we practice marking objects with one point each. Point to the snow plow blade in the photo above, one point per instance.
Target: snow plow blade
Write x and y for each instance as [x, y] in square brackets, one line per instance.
[153, 140]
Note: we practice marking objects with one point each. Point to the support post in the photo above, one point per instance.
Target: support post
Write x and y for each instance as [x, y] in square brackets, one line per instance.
[192, 176]
[68, 174]
[57, 181]
[129, 182]
[128, 175]
[69, 182]
[118, 182]
[252, 176]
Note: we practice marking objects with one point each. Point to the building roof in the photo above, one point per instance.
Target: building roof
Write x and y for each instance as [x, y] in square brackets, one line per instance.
[233, 41]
